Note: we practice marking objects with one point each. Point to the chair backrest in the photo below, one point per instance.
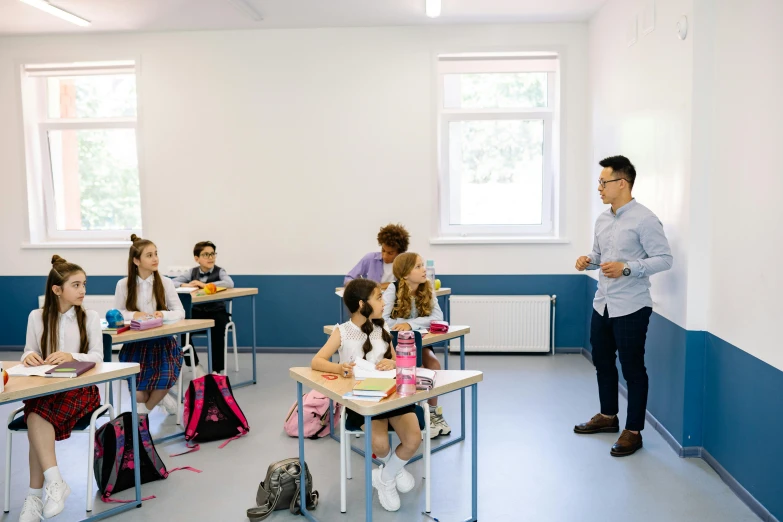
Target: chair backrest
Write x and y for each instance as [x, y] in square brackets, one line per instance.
[417, 337]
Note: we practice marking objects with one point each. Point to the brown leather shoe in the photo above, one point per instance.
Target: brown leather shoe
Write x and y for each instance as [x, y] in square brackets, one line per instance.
[599, 424]
[627, 444]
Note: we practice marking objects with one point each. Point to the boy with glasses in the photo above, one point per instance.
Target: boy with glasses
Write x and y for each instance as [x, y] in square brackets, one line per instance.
[205, 253]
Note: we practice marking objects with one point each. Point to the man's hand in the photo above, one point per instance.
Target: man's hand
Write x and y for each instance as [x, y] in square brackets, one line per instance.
[582, 263]
[612, 270]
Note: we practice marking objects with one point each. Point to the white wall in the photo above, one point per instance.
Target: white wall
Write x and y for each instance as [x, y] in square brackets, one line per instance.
[702, 119]
[641, 108]
[294, 146]
[747, 177]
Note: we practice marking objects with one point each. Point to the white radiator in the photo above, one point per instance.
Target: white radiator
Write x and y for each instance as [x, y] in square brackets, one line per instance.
[99, 303]
[505, 323]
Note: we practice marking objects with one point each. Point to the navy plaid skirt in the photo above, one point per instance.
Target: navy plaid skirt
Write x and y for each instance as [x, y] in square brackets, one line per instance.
[63, 410]
[160, 361]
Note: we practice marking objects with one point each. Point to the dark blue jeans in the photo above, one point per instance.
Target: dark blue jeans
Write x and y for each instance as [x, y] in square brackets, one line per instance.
[626, 335]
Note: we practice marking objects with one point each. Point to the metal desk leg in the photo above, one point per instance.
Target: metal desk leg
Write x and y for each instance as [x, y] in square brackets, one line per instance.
[368, 468]
[255, 341]
[462, 391]
[209, 352]
[135, 426]
[302, 500]
[474, 456]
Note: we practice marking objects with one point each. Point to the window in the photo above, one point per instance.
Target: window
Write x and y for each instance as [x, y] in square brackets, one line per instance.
[497, 138]
[82, 162]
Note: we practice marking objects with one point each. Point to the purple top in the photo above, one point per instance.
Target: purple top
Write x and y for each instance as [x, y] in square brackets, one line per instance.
[369, 267]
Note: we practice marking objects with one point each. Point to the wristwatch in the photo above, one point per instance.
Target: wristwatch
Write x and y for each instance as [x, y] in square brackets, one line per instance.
[626, 270]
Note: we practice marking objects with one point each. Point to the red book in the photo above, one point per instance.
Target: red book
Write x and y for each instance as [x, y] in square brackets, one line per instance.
[70, 369]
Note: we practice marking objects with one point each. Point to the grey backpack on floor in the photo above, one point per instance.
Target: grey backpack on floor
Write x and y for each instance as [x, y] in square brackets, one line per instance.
[280, 490]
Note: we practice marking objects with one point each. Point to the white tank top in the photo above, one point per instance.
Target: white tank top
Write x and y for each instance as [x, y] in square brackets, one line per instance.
[352, 341]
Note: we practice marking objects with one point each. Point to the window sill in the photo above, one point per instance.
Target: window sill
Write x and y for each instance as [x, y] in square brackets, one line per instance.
[497, 240]
[85, 245]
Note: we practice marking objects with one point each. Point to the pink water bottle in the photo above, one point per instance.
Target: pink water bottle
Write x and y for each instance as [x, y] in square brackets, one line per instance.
[406, 364]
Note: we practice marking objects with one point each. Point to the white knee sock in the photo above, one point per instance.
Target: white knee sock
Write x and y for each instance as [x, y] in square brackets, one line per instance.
[392, 467]
[141, 407]
[52, 475]
[385, 459]
[36, 492]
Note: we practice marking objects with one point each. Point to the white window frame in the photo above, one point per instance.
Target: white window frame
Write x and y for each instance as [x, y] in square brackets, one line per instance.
[37, 123]
[448, 198]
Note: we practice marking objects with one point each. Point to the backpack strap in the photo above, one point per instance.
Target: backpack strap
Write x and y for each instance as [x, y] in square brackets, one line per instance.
[225, 391]
[262, 512]
[198, 406]
[311, 500]
[242, 433]
[191, 449]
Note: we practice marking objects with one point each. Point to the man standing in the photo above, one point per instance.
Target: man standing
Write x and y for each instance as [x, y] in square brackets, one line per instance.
[629, 246]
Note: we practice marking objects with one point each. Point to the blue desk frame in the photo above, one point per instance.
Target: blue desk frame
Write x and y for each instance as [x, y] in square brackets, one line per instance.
[187, 304]
[368, 459]
[107, 352]
[134, 422]
[440, 447]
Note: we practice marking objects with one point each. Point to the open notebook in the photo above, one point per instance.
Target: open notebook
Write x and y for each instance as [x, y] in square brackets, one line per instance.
[364, 369]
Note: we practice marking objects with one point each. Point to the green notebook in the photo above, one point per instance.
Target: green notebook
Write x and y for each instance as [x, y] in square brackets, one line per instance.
[375, 387]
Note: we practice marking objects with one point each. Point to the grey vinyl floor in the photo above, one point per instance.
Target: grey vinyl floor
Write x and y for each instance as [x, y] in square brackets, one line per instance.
[532, 466]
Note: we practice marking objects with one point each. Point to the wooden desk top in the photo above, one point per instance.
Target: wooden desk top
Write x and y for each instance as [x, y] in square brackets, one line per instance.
[446, 381]
[183, 326]
[443, 291]
[427, 339]
[19, 387]
[225, 295]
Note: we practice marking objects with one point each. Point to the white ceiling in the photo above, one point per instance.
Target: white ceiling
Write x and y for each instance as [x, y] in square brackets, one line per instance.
[186, 15]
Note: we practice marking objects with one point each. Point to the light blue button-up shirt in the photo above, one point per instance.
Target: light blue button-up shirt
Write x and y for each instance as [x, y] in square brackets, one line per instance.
[634, 235]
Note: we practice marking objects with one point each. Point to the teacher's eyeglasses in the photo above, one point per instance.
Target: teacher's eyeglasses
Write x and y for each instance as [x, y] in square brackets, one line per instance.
[604, 182]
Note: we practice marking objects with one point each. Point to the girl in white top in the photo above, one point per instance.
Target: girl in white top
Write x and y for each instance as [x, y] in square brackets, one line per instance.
[62, 331]
[364, 336]
[411, 304]
[145, 293]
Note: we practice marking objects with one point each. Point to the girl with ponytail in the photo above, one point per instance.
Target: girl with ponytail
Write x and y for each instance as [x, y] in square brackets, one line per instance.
[364, 336]
[62, 331]
[146, 293]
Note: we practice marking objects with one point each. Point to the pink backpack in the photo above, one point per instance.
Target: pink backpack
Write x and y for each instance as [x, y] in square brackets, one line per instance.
[212, 413]
[315, 414]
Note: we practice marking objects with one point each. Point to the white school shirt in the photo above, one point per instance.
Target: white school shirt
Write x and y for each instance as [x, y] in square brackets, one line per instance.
[68, 337]
[388, 275]
[145, 299]
[416, 322]
[352, 341]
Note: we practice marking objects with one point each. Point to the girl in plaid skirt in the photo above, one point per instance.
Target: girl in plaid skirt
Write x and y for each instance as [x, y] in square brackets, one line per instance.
[60, 332]
[145, 293]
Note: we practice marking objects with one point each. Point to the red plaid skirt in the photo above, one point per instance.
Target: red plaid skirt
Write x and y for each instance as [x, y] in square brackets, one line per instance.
[63, 410]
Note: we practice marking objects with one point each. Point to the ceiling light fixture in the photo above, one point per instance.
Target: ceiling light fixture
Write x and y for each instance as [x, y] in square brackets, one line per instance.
[433, 8]
[56, 11]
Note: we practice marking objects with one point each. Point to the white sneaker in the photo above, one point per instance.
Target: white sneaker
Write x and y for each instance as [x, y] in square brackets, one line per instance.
[56, 493]
[404, 481]
[169, 405]
[32, 511]
[200, 371]
[443, 426]
[387, 491]
[434, 425]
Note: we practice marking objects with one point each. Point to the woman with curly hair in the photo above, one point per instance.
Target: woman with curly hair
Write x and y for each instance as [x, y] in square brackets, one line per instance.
[377, 266]
[411, 304]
